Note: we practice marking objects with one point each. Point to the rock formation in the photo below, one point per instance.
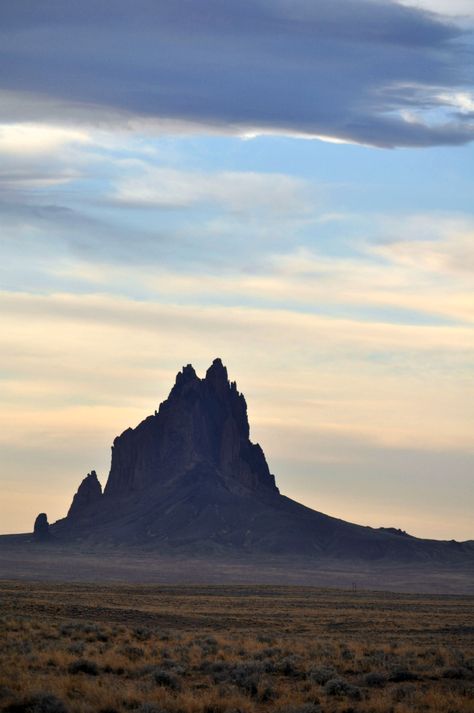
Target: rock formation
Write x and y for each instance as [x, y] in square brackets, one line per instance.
[41, 527]
[202, 426]
[188, 479]
[87, 497]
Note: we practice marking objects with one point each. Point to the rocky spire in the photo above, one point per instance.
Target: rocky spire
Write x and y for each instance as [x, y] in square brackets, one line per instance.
[88, 495]
[216, 376]
[184, 378]
[203, 424]
[41, 527]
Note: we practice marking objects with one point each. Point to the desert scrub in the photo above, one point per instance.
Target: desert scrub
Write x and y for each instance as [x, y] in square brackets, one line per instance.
[400, 674]
[39, 703]
[132, 653]
[165, 678]
[322, 674]
[341, 687]
[83, 666]
[234, 649]
[302, 708]
[291, 666]
[375, 679]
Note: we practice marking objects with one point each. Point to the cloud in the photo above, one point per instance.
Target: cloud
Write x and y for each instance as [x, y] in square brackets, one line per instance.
[363, 71]
[414, 270]
[241, 191]
[460, 9]
[37, 139]
[36, 156]
[442, 246]
[260, 322]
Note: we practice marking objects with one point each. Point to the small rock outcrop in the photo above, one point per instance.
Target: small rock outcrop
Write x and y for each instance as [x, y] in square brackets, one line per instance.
[41, 527]
[88, 495]
[395, 531]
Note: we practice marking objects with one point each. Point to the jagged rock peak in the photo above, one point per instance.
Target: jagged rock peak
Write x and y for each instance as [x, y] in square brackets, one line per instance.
[88, 494]
[216, 379]
[217, 371]
[41, 527]
[202, 425]
[186, 375]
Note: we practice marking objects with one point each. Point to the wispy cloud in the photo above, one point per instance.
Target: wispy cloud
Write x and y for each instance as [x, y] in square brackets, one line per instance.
[460, 9]
[434, 245]
[35, 156]
[24, 138]
[411, 279]
[237, 191]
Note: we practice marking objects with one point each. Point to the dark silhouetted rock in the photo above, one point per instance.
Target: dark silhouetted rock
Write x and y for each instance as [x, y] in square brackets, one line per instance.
[395, 531]
[41, 527]
[188, 479]
[88, 495]
[201, 427]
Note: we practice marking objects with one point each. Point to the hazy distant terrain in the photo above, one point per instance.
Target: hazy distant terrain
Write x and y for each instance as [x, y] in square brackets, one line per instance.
[74, 564]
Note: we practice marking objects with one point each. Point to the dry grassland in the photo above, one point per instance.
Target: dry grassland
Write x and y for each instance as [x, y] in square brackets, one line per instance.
[229, 649]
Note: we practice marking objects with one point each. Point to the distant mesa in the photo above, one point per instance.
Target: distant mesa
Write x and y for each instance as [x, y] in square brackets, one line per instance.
[188, 479]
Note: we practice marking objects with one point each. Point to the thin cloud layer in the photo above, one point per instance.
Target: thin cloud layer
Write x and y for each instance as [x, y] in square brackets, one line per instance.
[237, 191]
[463, 10]
[362, 71]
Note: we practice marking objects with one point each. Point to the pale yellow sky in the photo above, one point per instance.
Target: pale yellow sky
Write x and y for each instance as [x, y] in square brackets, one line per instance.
[327, 404]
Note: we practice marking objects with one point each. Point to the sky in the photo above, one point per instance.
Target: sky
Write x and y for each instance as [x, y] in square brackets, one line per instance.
[285, 184]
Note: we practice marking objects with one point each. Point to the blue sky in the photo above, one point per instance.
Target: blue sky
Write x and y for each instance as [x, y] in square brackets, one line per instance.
[285, 185]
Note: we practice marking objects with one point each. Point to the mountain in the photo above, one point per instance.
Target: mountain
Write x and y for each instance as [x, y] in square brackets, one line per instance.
[188, 480]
